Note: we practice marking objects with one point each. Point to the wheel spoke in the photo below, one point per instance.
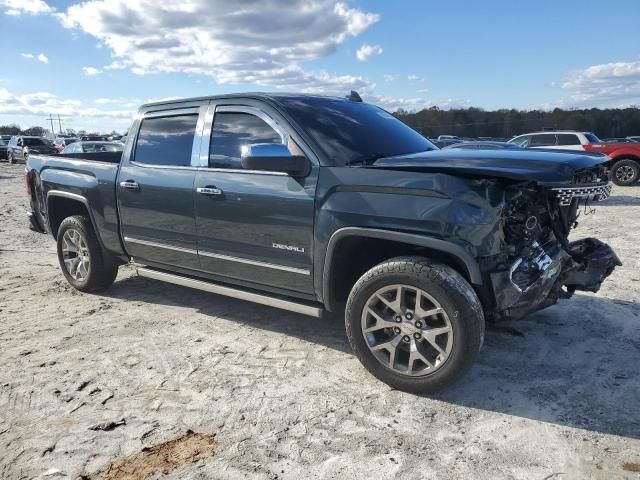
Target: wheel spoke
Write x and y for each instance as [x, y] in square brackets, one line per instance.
[380, 322]
[416, 354]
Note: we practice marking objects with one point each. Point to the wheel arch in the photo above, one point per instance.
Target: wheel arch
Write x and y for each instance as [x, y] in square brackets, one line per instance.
[61, 205]
[339, 275]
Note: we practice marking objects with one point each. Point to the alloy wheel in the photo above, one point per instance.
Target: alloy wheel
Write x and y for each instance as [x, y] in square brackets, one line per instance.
[407, 330]
[625, 173]
[75, 254]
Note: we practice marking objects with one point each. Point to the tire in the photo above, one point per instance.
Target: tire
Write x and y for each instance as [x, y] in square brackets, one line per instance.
[442, 290]
[10, 158]
[93, 270]
[625, 172]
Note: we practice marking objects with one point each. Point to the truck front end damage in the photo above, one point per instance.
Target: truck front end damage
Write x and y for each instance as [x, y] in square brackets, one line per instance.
[538, 265]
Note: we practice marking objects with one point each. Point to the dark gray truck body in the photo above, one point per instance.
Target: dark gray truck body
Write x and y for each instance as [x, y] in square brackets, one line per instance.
[500, 218]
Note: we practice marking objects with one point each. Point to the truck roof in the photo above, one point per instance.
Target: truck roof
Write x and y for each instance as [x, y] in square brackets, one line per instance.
[273, 96]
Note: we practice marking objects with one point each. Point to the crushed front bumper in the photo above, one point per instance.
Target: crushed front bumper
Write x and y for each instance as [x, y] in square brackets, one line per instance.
[550, 272]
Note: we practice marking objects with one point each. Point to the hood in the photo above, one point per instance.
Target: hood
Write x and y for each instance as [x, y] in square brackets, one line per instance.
[550, 167]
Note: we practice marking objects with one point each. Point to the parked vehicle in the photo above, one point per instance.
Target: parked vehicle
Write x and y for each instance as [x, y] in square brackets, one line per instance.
[311, 203]
[94, 138]
[444, 143]
[4, 140]
[93, 147]
[482, 145]
[634, 138]
[617, 140]
[61, 142]
[624, 165]
[21, 146]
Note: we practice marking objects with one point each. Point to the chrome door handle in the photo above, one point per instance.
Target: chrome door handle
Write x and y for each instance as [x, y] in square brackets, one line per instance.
[214, 191]
[130, 185]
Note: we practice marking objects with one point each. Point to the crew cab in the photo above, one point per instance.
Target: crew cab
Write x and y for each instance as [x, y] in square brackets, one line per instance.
[624, 164]
[314, 204]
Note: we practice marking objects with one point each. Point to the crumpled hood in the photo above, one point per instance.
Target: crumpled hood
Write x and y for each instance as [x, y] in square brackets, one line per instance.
[542, 166]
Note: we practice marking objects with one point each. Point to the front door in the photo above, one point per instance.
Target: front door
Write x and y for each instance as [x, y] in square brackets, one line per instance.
[155, 191]
[254, 226]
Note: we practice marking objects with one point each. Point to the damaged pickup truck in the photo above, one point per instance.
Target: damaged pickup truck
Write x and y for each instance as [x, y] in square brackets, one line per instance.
[311, 203]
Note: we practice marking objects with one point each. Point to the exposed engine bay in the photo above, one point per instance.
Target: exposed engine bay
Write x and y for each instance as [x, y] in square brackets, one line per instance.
[541, 264]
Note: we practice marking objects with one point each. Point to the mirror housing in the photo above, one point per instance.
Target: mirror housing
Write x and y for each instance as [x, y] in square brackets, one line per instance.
[273, 157]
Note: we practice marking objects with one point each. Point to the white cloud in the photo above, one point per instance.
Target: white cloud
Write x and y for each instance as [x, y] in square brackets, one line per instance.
[365, 52]
[260, 43]
[91, 71]
[33, 107]
[41, 57]
[415, 78]
[614, 84]
[30, 7]
[390, 78]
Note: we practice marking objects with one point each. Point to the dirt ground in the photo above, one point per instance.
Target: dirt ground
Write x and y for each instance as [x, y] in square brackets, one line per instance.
[93, 385]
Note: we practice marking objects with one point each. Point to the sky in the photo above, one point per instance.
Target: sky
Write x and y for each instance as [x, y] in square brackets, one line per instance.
[94, 62]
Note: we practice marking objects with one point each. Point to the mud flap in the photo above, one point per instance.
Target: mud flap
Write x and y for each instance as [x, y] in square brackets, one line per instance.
[593, 261]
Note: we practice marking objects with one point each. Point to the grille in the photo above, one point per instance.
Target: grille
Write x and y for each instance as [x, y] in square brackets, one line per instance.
[595, 192]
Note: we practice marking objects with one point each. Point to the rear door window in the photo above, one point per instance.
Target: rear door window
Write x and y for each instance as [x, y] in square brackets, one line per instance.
[543, 140]
[166, 140]
[568, 139]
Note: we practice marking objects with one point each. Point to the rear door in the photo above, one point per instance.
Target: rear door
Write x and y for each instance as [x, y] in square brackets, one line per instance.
[155, 188]
[253, 226]
[543, 140]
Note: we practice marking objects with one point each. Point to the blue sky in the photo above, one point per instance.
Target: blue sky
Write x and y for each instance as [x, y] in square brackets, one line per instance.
[93, 63]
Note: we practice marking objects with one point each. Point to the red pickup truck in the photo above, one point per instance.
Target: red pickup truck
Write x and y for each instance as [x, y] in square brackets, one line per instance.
[625, 157]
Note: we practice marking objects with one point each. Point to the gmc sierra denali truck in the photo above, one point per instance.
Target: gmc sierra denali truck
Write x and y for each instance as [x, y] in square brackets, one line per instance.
[310, 203]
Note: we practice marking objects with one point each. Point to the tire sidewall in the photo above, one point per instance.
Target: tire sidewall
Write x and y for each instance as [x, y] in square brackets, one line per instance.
[625, 162]
[467, 336]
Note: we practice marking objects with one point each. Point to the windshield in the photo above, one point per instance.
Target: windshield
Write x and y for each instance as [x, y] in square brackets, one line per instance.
[36, 142]
[592, 138]
[354, 132]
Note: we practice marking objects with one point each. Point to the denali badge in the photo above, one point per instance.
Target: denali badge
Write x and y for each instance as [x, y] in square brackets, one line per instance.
[291, 248]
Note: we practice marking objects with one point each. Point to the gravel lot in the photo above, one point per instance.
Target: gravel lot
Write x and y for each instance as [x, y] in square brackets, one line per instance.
[94, 385]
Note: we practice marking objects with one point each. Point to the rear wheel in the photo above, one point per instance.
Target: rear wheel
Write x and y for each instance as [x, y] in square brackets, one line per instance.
[81, 258]
[625, 172]
[417, 326]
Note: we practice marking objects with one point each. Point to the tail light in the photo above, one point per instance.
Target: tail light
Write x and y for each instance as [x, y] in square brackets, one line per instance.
[27, 181]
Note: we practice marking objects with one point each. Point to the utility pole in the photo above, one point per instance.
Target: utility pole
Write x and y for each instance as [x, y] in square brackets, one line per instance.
[53, 132]
[60, 124]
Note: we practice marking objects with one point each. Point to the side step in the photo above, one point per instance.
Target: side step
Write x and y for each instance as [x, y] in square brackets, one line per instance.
[304, 309]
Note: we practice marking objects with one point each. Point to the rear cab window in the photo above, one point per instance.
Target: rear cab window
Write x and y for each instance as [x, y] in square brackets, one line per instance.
[166, 140]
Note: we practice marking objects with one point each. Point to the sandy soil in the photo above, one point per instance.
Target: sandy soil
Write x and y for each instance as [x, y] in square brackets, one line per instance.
[90, 381]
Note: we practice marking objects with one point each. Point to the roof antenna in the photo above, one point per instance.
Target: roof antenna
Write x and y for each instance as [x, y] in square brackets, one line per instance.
[354, 97]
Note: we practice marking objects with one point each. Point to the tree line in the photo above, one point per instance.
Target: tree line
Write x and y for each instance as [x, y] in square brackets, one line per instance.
[14, 129]
[475, 122]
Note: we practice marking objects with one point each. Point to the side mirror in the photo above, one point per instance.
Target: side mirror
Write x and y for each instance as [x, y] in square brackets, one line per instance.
[273, 157]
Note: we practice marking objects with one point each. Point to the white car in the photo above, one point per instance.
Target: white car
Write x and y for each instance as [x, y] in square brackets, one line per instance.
[560, 140]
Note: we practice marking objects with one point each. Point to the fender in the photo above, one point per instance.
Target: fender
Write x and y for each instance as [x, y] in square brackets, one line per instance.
[473, 270]
[77, 198]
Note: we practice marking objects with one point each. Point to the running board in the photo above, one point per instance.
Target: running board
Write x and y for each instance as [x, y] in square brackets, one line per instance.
[275, 302]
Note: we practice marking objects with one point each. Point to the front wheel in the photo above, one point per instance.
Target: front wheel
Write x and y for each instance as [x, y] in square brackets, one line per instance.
[81, 258]
[625, 172]
[415, 325]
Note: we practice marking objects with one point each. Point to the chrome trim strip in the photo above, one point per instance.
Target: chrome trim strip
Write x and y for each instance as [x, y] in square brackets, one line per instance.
[257, 263]
[241, 170]
[197, 137]
[203, 160]
[160, 245]
[164, 167]
[230, 292]
[171, 112]
[73, 196]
